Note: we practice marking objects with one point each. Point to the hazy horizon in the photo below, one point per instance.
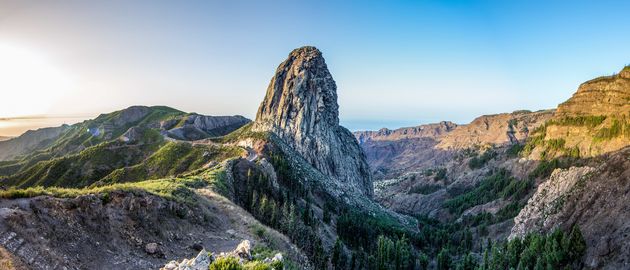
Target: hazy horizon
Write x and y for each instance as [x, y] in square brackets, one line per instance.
[395, 64]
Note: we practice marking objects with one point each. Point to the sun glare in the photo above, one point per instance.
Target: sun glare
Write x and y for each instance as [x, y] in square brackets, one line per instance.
[29, 82]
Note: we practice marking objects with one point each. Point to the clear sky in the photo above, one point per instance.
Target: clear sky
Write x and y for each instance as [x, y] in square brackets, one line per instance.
[396, 63]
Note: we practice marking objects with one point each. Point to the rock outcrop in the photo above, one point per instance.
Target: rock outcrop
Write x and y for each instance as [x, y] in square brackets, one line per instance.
[608, 95]
[594, 121]
[392, 153]
[495, 129]
[596, 199]
[195, 126]
[541, 210]
[301, 108]
[202, 261]
[433, 131]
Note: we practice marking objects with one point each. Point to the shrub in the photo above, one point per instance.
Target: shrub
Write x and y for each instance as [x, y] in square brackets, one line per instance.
[226, 263]
[499, 184]
[440, 174]
[514, 150]
[481, 160]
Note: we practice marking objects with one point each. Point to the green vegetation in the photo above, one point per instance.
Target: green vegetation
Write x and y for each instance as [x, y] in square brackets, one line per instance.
[558, 250]
[440, 174]
[590, 121]
[484, 219]
[499, 185]
[83, 168]
[424, 189]
[514, 150]
[173, 159]
[178, 189]
[226, 263]
[231, 263]
[285, 205]
[600, 128]
[437, 173]
[619, 127]
[546, 167]
[242, 133]
[481, 160]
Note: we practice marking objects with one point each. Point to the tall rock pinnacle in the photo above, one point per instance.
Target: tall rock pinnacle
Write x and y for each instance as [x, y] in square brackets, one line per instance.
[301, 108]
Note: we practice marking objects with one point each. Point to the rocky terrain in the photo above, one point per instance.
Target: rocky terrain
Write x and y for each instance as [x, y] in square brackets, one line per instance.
[392, 153]
[154, 187]
[495, 129]
[125, 230]
[594, 197]
[284, 182]
[446, 173]
[301, 108]
[608, 95]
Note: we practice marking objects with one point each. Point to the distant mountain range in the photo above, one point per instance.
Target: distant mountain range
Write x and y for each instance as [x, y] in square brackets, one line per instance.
[147, 187]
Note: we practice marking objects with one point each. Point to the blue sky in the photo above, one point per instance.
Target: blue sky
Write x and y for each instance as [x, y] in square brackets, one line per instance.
[396, 63]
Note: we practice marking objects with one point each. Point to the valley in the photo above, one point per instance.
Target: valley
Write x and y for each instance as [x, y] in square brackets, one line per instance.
[158, 188]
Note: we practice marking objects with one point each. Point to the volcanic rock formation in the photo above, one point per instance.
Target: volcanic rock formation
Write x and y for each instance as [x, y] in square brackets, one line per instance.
[608, 95]
[301, 108]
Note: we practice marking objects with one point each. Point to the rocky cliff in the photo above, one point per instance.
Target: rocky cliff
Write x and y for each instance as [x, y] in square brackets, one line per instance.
[392, 153]
[608, 95]
[594, 121]
[195, 126]
[301, 108]
[495, 129]
[433, 131]
[594, 197]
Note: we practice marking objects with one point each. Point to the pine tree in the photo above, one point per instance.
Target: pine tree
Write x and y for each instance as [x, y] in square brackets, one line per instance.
[467, 242]
[577, 244]
[444, 259]
[468, 263]
[539, 264]
[338, 256]
[423, 261]
[403, 254]
[514, 249]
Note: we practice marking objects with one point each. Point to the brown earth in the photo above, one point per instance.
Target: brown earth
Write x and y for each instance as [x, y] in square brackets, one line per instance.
[111, 232]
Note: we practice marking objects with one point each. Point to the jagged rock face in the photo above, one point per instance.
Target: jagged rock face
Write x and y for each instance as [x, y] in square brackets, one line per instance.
[596, 199]
[541, 210]
[608, 95]
[197, 126]
[301, 108]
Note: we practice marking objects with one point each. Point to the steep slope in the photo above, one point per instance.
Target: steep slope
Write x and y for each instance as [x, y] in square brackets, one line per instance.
[392, 153]
[594, 197]
[608, 95]
[140, 226]
[127, 145]
[433, 131]
[594, 121]
[29, 141]
[301, 108]
[294, 169]
[495, 129]
[498, 178]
